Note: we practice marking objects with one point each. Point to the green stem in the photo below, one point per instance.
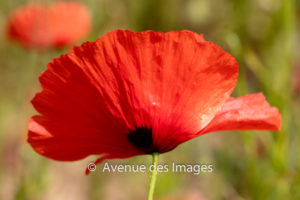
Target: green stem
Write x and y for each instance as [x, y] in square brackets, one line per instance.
[153, 176]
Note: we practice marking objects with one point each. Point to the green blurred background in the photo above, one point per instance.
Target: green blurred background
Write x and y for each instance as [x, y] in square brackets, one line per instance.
[263, 35]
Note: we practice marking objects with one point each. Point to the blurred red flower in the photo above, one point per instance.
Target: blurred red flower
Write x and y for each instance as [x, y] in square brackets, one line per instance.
[49, 25]
[297, 81]
[128, 94]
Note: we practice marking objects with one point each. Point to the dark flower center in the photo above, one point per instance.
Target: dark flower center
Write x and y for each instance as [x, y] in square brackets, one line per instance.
[142, 139]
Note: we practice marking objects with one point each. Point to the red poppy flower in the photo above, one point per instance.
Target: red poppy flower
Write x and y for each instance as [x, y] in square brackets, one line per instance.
[54, 25]
[297, 81]
[128, 94]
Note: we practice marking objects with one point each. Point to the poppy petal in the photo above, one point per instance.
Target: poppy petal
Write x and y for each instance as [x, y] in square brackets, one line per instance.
[250, 112]
[173, 82]
[66, 143]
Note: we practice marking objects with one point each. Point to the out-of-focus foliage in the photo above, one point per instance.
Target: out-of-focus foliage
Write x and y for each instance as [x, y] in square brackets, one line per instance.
[263, 35]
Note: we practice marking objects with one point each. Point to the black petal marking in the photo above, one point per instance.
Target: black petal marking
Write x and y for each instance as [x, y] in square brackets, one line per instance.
[142, 139]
